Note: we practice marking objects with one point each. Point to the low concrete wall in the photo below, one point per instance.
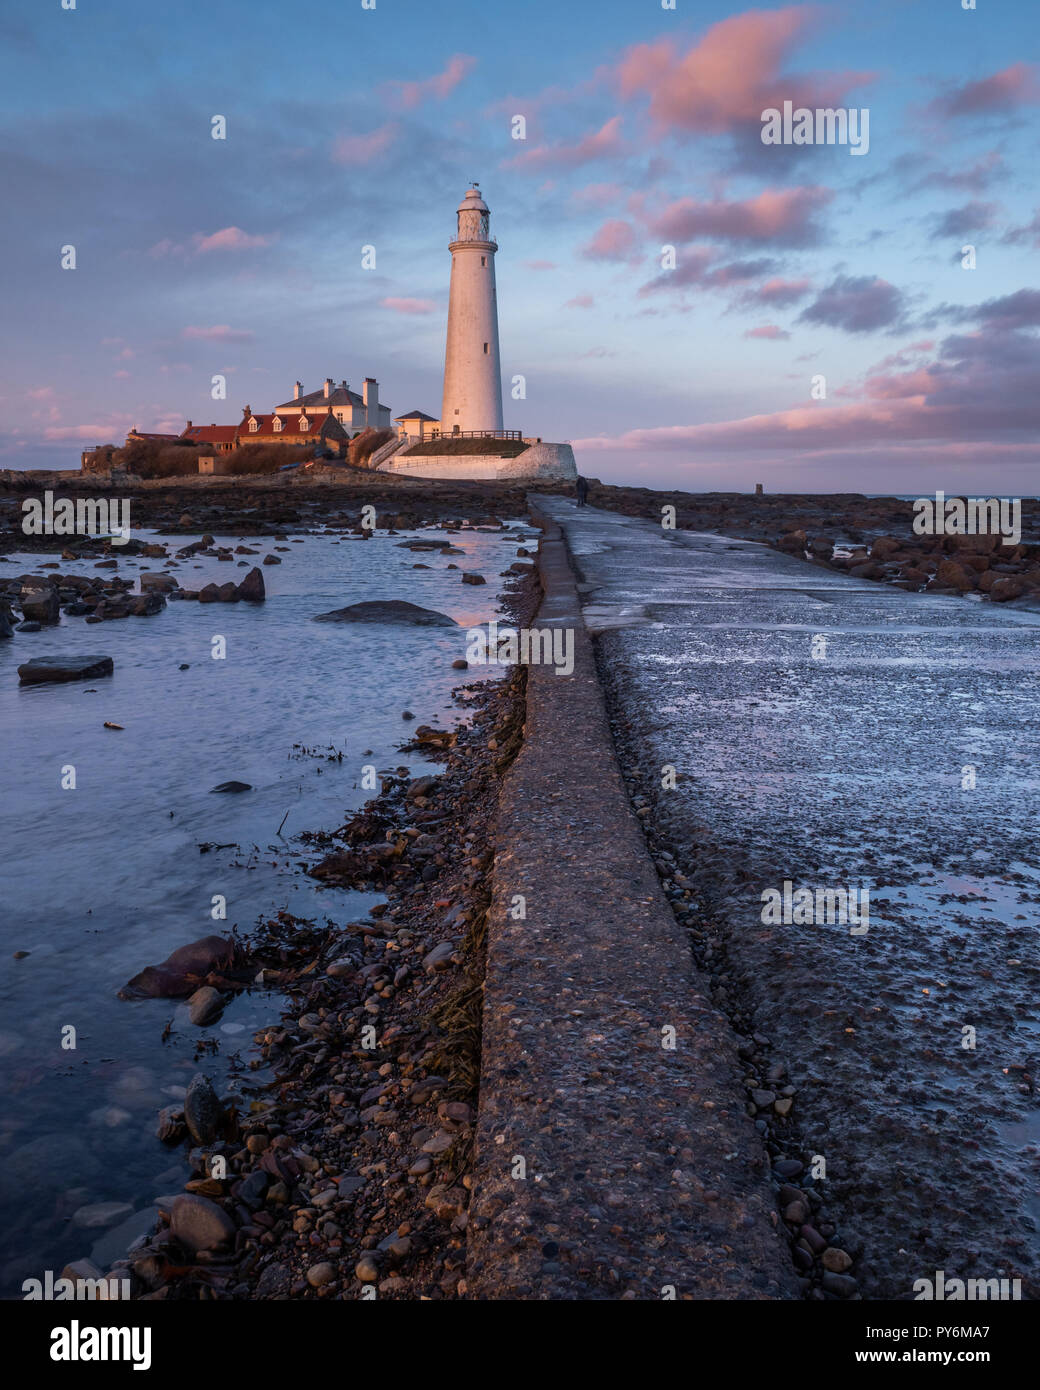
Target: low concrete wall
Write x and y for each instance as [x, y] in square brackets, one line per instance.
[553, 461]
[608, 1163]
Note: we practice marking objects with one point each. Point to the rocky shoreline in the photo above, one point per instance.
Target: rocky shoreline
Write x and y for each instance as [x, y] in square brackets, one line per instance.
[350, 1170]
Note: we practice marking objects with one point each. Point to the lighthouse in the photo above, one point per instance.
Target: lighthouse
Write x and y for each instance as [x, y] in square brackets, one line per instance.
[472, 370]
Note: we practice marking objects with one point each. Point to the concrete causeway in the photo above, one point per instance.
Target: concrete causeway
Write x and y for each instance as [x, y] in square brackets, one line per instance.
[614, 1158]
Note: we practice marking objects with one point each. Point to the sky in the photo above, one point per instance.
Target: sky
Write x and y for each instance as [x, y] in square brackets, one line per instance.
[816, 325]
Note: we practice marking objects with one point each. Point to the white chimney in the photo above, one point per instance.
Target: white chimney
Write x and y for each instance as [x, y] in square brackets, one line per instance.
[328, 387]
[370, 395]
[296, 390]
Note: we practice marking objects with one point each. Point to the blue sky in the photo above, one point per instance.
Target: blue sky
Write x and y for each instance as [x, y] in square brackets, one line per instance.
[350, 127]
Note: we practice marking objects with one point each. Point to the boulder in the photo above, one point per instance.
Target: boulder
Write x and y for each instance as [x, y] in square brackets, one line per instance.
[227, 593]
[252, 587]
[183, 971]
[951, 575]
[162, 582]
[471, 578]
[210, 594]
[47, 669]
[39, 604]
[232, 787]
[203, 1112]
[206, 1005]
[199, 1224]
[387, 611]
[1008, 586]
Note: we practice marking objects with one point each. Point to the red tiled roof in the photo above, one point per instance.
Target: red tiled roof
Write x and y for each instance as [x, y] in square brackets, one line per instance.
[290, 424]
[211, 434]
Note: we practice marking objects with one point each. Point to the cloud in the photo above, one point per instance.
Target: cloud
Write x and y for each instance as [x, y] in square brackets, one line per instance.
[769, 331]
[411, 94]
[201, 243]
[615, 241]
[1029, 233]
[1004, 91]
[601, 144]
[777, 291]
[409, 306]
[228, 239]
[973, 401]
[856, 304]
[784, 217]
[698, 266]
[540, 265]
[363, 149]
[726, 79]
[580, 301]
[218, 333]
[974, 216]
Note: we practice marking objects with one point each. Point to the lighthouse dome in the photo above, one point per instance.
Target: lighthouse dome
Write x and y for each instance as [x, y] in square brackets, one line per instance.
[473, 202]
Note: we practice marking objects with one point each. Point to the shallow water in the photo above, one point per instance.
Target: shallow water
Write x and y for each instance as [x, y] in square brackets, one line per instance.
[104, 879]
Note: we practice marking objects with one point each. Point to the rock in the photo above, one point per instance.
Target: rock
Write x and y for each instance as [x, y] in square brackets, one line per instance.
[951, 575]
[147, 605]
[210, 594]
[233, 787]
[271, 560]
[106, 1286]
[421, 786]
[6, 628]
[841, 1284]
[387, 611]
[182, 972]
[38, 627]
[439, 958]
[320, 1274]
[366, 1269]
[228, 593]
[869, 570]
[471, 578]
[788, 1168]
[837, 1261]
[185, 519]
[340, 969]
[1009, 586]
[252, 590]
[164, 583]
[171, 1127]
[203, 1113]
[460, 665]
[46, 669]
[206, 1005]
[39, 604]
[199, 1224]
[100, 1214]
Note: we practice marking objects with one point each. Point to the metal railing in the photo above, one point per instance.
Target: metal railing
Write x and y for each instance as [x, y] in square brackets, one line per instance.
[476, 434]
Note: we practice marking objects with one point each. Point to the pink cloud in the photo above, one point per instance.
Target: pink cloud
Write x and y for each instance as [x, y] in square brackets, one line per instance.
[409, 306]
[973, 400]
[362, 149]
[778, 291]
[769, 331]
[786, 216]
[540, 265]
[1004, 91]
[442, 84]
[600, 144]
[580, 301]
[856, 304]
[615, 241]
[228, 239]
[218, 333]
[598, 195]
[726, 79]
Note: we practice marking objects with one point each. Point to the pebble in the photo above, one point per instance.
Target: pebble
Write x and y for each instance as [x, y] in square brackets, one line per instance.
[320, 1274]
[367, 1270]
[837, 1261]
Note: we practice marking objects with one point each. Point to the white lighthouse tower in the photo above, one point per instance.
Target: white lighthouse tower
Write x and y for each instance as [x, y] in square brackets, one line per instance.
[472, 369]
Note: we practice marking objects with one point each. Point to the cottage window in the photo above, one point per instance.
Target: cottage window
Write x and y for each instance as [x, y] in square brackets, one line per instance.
[254, 426]
[305, 424]
[278, 422]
